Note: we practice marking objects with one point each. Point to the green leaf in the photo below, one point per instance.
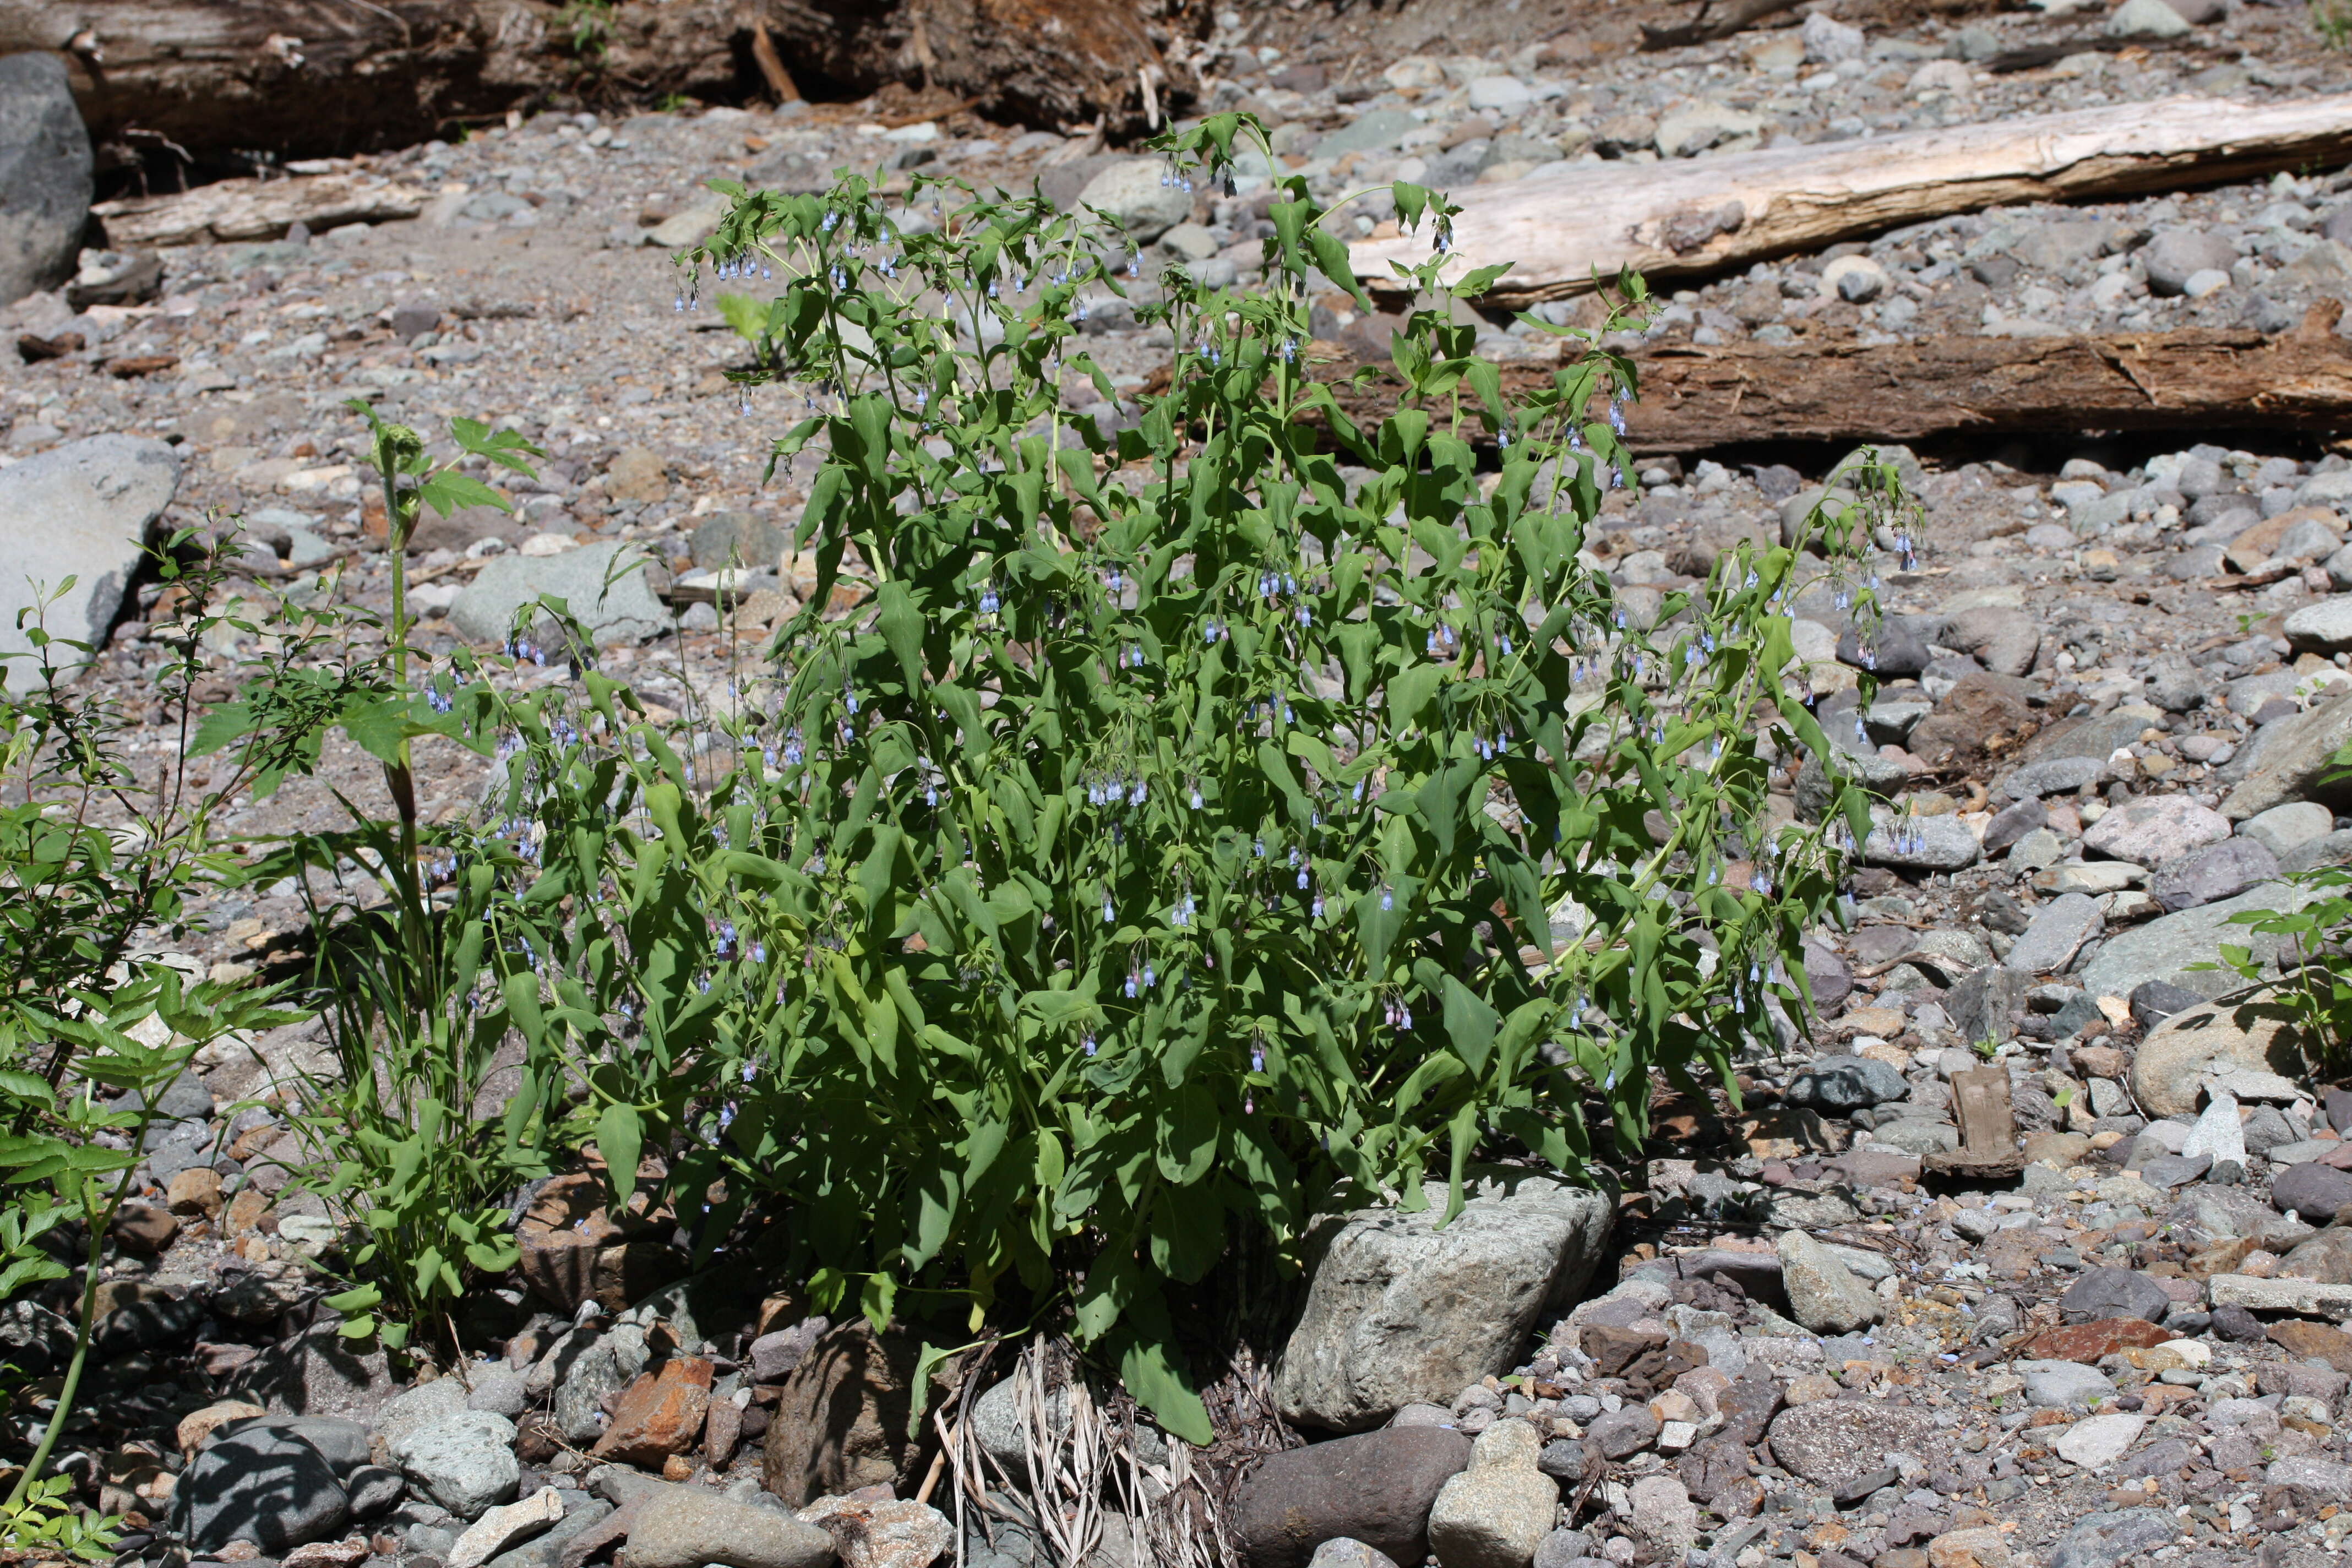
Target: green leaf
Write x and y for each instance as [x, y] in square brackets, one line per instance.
[446, 492]
[1155, 1373]
[620, 1139]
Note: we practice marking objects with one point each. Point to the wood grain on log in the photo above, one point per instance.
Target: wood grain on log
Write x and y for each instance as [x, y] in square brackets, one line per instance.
[310, 78]
[1685, 217]
[255, 209]
[1694, 398]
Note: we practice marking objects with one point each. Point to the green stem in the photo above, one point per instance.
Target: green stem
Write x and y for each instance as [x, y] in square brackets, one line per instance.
[56, 1428]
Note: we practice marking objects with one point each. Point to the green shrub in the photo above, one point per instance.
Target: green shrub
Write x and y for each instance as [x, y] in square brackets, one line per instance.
[1182, 822]
[1186, 827]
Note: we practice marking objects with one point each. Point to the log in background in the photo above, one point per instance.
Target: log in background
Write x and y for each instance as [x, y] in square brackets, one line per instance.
[313, 77]
[1694, 398]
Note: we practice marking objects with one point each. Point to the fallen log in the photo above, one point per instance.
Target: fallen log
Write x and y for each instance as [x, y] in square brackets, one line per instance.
[255, 209]
[1709, 22]
[324, 78]
[1690, 217]
[1693, 398]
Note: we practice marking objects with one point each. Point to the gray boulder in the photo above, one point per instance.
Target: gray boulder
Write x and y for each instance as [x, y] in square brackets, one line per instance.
[2218, 871]
[2108, 1540]
[1496, 1514]
[1833, 1443]
[2059, 928]
[1136, 193]
[602, 588]
[2178, 255]
[1922, 844]
[413, 1410]
[682, 1528]
[1823, 1294]
[1400, 1311]
[464, 1462]
[261, 1484]
[606, 1366]
[82, 511]
[1839, 1084]
[1376, 1488]
[2167, 949]
[2291, 759]
[45, 175]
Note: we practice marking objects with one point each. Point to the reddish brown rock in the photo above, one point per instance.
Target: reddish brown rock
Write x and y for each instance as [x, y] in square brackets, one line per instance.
[144, 1230]
[2305, 1340]
[2087, 1343]
[660, 1414]
[721, 1430]
[1613, 1349]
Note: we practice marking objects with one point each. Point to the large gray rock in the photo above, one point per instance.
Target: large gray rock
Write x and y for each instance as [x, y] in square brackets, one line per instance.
[261, 1484]
[464, 1462]
[2176, 255]
[2165, 949]
[2099, 1293]
[45, 175]
[82, 511]
[2218, 871]
[623, 610]
[2060, 1384]
[1400, 1311]
[2059, 928]
[1137, 194]
[1842, 1083]
[1922, 844]
[2108, 1540]
[1833, 1443]
[605, 1366]
[2003, 638]
[2291, 759]
[1376, 1488]
[2323, 628]
[1823, 1294]
[412, 1410]
[315, 1373]
[2283, 829]
[682, 1528]
[2154, 830]
[1496, 1514]
[2169, 1070]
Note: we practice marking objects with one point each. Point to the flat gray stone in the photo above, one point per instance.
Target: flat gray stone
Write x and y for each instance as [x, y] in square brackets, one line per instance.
[682, 1528]
[1841, 1083]
[261, 1484]
[1134, 191]
[2217, 871]
[624, 611]
[1923, 844]
[2289, 761]
[2285, 828]
[2153, 829]
[84, 510]
[2059, 928]
[1368, 132]
[2164, 948]
[2324, 628]
[2099, 1440]
[2061, 1385]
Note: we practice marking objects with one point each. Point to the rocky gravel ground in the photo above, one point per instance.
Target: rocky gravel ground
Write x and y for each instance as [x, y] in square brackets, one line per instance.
[2110, 683]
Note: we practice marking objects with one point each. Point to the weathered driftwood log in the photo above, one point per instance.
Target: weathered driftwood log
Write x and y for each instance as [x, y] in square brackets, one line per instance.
[1686, 217]
[255, 209]
[313, 77]
[1693, 398]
